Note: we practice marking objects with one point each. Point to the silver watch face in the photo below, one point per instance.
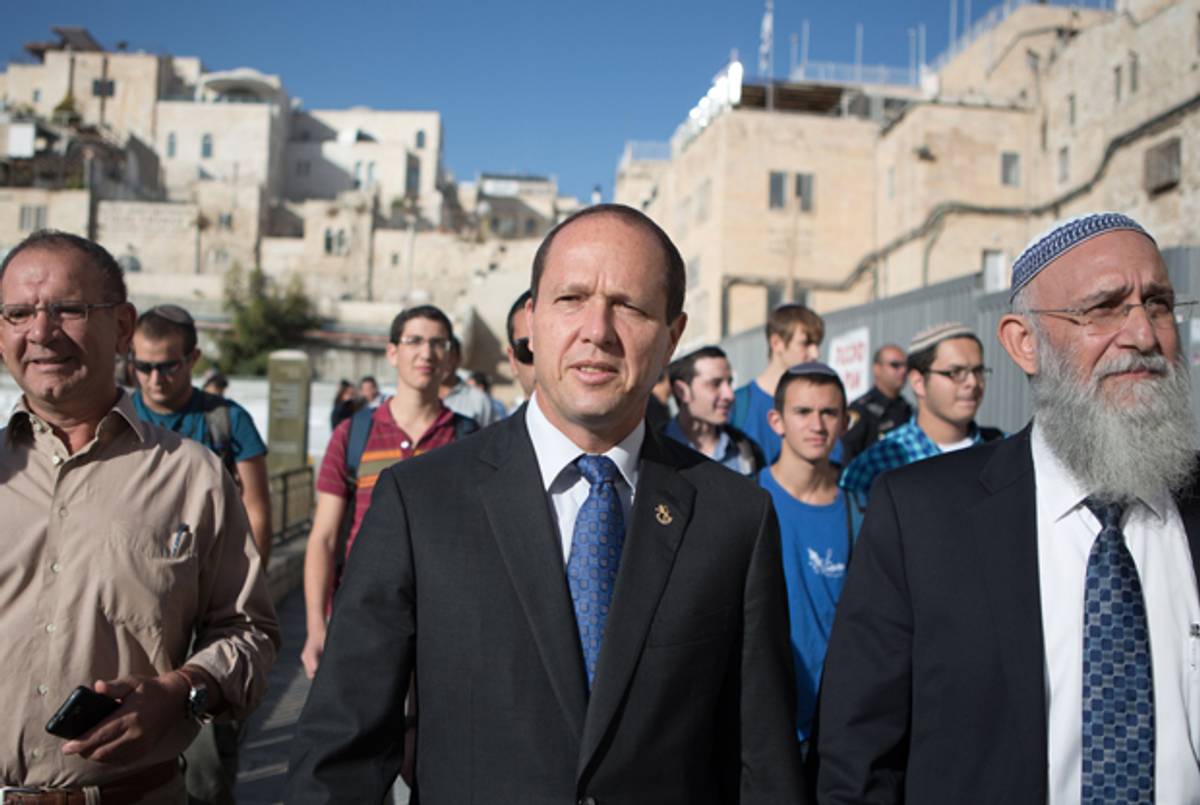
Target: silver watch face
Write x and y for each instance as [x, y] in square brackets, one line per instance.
[198, 700]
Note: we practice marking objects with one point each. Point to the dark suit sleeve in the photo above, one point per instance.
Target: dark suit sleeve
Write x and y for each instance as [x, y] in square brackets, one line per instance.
[350, 740]
[866, 689]
[770, 754]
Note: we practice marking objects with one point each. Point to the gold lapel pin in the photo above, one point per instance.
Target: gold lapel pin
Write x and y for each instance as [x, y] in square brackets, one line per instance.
[663, 514]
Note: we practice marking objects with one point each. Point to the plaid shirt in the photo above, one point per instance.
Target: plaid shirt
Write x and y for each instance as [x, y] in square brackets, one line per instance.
[903, 445]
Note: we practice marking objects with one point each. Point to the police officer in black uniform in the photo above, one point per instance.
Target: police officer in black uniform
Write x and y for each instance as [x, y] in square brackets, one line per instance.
[882, 408]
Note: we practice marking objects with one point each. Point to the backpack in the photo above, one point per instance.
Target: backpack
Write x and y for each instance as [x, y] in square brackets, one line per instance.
[220, 430]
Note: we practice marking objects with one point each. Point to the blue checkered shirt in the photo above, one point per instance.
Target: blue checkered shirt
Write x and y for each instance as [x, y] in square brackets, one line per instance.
[901, 446]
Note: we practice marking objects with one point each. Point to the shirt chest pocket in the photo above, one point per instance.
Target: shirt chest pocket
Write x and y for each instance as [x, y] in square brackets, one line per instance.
[153, 575]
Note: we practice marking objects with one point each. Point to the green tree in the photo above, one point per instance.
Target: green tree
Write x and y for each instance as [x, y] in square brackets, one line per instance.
[263, 317]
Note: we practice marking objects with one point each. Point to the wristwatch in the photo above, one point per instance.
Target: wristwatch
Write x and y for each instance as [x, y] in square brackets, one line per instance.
[197, 699]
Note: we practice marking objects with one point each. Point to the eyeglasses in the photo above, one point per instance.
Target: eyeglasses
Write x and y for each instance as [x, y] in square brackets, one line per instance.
[522, 352]
[417, 341]
[21, 316]
[894, 364]
[164, 368]
[959, 374]
[1106, 318]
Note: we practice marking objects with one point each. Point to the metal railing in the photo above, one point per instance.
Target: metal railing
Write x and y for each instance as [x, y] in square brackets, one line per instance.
[292, 501]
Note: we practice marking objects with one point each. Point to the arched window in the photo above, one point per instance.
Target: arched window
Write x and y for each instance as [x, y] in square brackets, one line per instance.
[420, 138]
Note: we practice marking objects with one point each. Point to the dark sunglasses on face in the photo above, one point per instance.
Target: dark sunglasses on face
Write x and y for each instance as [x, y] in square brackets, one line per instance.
[522, 352]
[162, 367]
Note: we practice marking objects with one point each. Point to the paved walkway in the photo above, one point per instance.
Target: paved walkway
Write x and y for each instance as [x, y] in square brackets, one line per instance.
[264, 757]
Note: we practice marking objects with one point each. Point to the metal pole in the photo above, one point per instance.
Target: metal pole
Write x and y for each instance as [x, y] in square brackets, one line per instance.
[795, 45]
[912, 55]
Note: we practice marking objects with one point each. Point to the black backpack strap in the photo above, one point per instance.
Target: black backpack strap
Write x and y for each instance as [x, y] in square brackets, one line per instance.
[356, 442]
[220, 428]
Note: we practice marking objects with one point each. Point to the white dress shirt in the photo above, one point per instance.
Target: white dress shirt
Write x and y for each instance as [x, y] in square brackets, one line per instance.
[566, 488]
[1158, 543]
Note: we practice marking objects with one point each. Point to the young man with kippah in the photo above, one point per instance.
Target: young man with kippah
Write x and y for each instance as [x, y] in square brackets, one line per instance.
[947, 376]
[815, 520]
[702, 383]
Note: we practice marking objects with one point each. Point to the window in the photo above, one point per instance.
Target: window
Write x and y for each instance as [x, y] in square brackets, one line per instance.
[775, 190]
[412, 177]
[1064, 164]
[1133, 73]
[103, 88]
[1071, 109]
[171, 143]
[328, 241]
[804, 191]
[1010, 169]
[225, 220]
[1162, 166]
[206, 147]
[994, 273]
[420, 138]
[395, 258]
[370, 173]
[358, 174]
[37, 96]
[1117, 84]
[33, 217]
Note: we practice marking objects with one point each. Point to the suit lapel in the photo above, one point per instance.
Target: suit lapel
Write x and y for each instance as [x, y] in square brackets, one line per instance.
[1003, 528]
[520, 520]
[661, 511]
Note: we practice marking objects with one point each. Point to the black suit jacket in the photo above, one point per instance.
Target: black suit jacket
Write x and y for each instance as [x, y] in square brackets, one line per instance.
[934, 684]
[458, 574]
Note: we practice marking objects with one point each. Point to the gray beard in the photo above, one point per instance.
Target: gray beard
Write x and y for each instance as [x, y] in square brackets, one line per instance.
[1118, 452]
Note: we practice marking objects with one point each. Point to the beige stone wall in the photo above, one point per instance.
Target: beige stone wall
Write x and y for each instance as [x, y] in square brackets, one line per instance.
[388, 139]
[242, 137]
[65, 209]
[163, 237]
[713, 201]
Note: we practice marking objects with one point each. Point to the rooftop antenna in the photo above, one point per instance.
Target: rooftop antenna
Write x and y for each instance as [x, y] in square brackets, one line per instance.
[766, 55]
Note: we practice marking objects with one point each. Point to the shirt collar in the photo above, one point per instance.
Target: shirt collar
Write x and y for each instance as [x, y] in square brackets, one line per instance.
[725, 445]
[1063, 491]
[22, 418]
[557, 453]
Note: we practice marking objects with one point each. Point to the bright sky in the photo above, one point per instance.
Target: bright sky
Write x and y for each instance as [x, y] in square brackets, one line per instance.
[549, 87]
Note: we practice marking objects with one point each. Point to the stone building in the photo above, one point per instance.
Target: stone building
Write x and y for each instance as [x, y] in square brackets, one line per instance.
[844, 184]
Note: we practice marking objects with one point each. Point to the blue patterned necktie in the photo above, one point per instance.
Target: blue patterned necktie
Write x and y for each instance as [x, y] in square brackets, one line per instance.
[1118, 688]
[595, 555]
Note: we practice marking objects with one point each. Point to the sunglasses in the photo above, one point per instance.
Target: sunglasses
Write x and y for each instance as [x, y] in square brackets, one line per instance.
[522, 352]
[164, 368]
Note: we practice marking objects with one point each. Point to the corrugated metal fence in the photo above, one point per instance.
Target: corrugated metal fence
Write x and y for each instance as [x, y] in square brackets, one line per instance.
[895, 319]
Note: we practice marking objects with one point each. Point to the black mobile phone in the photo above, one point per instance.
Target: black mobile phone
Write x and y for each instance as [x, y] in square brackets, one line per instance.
[83, 709]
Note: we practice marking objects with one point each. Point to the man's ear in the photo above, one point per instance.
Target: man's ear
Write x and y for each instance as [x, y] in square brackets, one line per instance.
[1019, 341]
[775, 420]
[916, 381]
[683, 394]
[126, 315]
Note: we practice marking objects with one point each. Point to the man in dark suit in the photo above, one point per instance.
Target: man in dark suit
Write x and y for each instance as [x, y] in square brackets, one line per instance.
[559, 655]
[1020, 623]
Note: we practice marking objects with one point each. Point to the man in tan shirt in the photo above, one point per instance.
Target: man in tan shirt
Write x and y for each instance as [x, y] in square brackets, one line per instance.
[121, 543]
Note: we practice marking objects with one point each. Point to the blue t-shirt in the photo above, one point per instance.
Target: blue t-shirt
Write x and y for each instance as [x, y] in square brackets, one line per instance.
[756, 426]
[244, 441]
[816, 547]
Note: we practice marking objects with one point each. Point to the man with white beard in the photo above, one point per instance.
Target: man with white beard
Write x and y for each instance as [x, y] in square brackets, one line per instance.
[1021, 621]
